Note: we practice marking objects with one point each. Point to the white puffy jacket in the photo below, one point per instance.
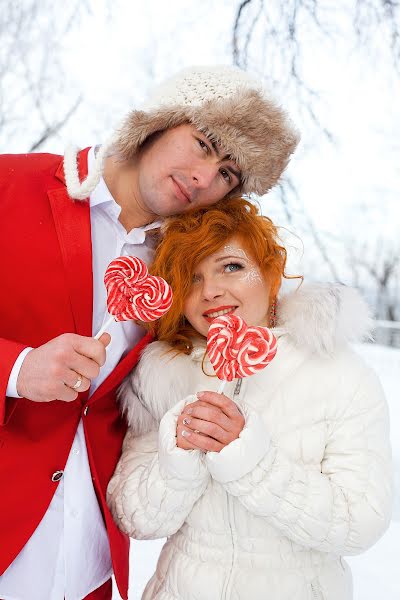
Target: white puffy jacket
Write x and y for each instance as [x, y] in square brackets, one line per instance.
[307, 481]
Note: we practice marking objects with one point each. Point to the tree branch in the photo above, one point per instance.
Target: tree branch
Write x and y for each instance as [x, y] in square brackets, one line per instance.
[51, 130]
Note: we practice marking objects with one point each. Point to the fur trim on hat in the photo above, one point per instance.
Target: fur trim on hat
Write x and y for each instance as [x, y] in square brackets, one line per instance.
[253, 130]
[228, 105]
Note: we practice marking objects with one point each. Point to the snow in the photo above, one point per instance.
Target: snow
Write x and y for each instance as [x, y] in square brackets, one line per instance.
[376, 572]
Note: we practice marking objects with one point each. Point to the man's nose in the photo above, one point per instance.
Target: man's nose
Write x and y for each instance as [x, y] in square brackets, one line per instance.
[203, 175]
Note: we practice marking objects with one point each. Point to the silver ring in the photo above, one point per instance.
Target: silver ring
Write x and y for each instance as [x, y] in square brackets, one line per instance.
[78, 383]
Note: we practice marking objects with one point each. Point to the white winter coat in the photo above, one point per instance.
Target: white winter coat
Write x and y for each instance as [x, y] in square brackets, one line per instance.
[307, 481]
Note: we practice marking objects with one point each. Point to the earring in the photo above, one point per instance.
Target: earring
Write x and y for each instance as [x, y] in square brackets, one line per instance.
[272, 314]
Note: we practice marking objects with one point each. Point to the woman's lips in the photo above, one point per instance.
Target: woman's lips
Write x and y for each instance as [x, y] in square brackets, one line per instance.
[227, 310]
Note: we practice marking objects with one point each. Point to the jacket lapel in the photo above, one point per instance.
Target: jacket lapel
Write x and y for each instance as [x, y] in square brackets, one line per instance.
[72, 223]
[122, 369]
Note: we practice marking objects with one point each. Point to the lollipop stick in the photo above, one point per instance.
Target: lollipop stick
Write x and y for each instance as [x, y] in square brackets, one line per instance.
[221, 387]
[104, 327]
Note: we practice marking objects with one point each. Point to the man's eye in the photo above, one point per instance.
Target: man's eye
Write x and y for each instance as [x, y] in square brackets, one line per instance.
[231, 267]
[226, 175]
[203, 145]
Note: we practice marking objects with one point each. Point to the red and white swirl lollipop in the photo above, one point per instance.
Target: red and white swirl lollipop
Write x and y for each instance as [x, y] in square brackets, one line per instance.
[133, 294]
[236, 350]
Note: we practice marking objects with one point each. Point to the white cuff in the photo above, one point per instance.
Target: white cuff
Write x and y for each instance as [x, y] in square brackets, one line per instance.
[11, 391]
[177, 462]
[243, 454]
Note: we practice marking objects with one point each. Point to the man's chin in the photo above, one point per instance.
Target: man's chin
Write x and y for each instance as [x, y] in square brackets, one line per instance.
[176, 208]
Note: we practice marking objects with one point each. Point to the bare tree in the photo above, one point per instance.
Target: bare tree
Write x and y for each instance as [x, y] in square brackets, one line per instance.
[272, 38]
[35, 100]
[275, 39]
[375, 266]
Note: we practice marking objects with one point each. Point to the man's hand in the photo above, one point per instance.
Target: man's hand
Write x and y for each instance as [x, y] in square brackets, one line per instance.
[50, 371]
[209, 424]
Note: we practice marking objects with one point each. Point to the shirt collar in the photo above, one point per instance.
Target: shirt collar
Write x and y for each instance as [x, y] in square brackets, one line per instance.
[101, 194]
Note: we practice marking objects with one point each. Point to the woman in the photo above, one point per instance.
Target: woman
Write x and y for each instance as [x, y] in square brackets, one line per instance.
[260, 490]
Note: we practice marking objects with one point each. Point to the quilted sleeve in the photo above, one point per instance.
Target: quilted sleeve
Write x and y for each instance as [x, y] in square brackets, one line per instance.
[156, 484]
[344, 506]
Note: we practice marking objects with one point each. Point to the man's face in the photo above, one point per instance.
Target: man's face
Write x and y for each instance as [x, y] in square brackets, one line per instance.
[181, 169]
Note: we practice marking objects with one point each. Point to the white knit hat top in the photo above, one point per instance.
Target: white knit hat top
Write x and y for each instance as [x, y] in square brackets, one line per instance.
[196, 85]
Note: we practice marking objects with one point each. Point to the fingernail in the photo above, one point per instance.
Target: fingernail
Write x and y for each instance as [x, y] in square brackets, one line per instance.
[185, 433]
[186, 421]
[189, 411]
[200, 395]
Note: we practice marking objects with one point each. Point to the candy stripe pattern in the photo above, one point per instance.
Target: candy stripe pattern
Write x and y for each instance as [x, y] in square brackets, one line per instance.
[236, 350]
[133, 294]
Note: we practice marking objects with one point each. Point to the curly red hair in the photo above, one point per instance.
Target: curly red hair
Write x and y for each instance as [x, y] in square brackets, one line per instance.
[189, 238]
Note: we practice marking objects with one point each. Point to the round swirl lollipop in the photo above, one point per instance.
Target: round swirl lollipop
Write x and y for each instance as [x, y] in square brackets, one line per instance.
[236, 350]
[134, 294]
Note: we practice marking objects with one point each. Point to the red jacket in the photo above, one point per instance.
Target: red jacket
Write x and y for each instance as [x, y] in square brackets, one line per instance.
[46, 290]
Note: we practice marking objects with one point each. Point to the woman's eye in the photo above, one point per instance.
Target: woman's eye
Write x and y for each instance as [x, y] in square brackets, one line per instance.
[226, 175]
[195, 278]
[231, 267]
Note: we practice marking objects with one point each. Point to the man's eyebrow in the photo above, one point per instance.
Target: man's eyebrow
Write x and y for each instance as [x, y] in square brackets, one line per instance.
[215, 146]
[236, 173]
[226, 157]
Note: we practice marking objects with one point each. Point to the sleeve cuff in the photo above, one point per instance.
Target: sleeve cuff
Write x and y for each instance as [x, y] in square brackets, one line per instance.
[176, 462]
[242, 455]
[11, 391]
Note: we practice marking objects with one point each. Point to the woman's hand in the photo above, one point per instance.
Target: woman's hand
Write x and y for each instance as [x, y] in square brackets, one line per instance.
[209, 424]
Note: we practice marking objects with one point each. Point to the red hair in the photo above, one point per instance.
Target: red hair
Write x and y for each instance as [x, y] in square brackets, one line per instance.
[189, 238]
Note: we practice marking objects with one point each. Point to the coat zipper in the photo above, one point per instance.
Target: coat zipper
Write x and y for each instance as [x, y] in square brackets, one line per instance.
[316, 592]
[229, 578]
[226, 593]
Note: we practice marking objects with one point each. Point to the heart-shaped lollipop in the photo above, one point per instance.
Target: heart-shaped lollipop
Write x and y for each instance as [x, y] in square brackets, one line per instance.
[236, 350]
[134, 294]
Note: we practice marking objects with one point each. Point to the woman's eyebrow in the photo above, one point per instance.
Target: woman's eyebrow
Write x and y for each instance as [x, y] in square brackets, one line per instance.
[227, 256]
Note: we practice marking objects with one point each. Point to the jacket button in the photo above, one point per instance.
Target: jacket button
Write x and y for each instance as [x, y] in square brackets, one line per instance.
[57, 475]
[86, 410]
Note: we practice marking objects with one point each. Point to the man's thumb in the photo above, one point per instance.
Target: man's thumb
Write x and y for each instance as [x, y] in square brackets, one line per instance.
[105, 339]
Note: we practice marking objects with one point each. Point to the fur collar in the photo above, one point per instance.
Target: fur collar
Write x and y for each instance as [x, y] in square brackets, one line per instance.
[324, 317]
[317, 319]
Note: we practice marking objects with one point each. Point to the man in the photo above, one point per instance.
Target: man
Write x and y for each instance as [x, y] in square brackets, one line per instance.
[205, 134]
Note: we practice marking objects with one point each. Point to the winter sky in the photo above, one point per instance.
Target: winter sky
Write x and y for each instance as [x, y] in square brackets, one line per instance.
[122, 48]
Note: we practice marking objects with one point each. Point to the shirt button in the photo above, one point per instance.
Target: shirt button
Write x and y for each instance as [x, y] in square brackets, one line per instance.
[75, 451]
[86, 410]
[57, 475]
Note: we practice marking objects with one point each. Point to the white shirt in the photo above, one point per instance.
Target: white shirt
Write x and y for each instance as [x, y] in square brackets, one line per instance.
[68, 555]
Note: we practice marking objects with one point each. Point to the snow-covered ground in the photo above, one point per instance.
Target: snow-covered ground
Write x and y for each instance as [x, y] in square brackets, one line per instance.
[376, 572]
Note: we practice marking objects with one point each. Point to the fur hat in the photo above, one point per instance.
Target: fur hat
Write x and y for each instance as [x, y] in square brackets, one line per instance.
[228, 106]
